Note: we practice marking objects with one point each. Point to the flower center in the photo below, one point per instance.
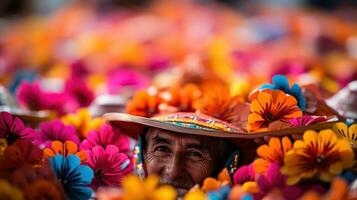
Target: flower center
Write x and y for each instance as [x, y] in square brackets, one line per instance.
[99, 174]
[269, 117]
[320, 158]
[11, 138]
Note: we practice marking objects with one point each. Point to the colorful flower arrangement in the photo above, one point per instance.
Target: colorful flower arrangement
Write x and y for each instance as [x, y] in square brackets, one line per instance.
[74, 154]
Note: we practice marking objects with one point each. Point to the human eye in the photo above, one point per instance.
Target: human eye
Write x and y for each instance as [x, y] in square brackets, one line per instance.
[195, 155]
[162, 150]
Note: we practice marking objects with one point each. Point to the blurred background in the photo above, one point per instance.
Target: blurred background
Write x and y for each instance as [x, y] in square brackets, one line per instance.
[99, 49]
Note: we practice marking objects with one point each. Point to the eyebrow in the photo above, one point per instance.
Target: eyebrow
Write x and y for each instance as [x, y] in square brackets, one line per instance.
[199, 146]
[159, 140]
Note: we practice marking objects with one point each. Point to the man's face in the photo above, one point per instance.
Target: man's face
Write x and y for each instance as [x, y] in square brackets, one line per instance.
[181, 160]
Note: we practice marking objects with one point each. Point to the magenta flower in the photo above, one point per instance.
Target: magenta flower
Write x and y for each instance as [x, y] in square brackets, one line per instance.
[79, 90]
[54, 130]
[274, 179]
[31, 96]
[244, 174]
[109, 165]
[104, 137]
[307, 120]
[13, 129]
[120, 79]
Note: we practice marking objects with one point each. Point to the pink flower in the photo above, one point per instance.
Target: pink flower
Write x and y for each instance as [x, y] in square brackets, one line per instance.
[104, 137]
[120, 79]
[31, 96]
[54, 130]
[274, 179]
[307, 120]
[244, 174]
[79, 90]
[109, 165]
[13, 129]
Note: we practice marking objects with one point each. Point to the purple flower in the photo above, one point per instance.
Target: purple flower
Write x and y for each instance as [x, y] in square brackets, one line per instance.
[54, 130]
[307, 120]
[13, 129]
[244, 174]
[109, 165]
[274, 179]
[104, 137]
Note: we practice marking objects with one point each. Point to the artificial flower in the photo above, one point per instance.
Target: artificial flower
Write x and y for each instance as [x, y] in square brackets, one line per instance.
[13, 129]
[319, 154]
[273, 179]
[338, 190]
[79, 90]
[109, 165]
[9, 192]
[52, 131]
[220, 194]
[21, 152]
[82, 122]
[217, 102]
[280, 82]
[212, 184]
[43, 189]
[145, 103]
[243, 174]
[347, 133]
[32, 96]
[64, 148]
[118, 80]
[271, 106]
[307, 120]
[74, 177]
[180, 99]
[106, 136]
[196, 194]
[272, 153]
[149, 189]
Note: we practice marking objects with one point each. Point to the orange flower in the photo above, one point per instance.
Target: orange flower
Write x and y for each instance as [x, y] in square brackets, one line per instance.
[274, 152]
[64, 149]
[320, 155]
[145, 103]
[211, 184]
[217, 102]
[269, 107]
[180, 99]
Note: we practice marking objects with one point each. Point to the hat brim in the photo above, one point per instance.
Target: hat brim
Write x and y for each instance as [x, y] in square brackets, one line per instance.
[133, 126]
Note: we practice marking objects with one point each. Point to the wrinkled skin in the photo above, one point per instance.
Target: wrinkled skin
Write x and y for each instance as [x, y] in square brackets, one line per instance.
[181, 160]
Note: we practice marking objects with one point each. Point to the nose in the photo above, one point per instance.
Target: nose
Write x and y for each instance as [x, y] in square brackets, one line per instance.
[175, 167]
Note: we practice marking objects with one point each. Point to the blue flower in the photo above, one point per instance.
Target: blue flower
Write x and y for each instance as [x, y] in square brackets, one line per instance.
[280, 82]
[74, 177]
[220, 194]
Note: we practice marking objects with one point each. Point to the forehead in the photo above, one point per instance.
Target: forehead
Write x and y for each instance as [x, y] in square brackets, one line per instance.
[173, 137]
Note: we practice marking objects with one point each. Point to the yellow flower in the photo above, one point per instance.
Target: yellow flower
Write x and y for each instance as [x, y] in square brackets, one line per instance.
[320, 155]
[83, 122]
[148, 189]
[347, 133]
[196, 194]
[9, 192]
